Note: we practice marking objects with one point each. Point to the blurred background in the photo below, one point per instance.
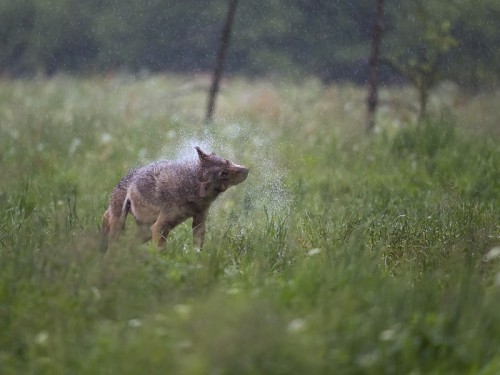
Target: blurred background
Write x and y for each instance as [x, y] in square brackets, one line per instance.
[455, 40]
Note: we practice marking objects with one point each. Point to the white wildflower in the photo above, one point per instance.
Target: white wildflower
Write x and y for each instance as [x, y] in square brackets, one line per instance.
[75, 143]
[368, 360]
[233, 291]
[42, 338]
[171, 134]
[134, 323]
[184, 344]
[314, 251]
[106, 138]
[96, 293]
[387, 335]
[492, 254]
[184, 311]
[497, 279]
[297, 325]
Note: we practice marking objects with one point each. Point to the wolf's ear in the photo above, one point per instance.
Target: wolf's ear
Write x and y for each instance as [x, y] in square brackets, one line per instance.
[201, 153]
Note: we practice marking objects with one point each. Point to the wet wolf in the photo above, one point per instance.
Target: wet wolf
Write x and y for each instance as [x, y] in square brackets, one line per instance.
[163, 194]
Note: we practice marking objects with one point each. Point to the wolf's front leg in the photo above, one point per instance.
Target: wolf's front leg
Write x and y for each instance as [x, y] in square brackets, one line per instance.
[199, 229]
[163, 225]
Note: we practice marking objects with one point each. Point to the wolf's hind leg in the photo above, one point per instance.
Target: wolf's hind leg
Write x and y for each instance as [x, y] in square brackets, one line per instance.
[144, 231]
[113, 224]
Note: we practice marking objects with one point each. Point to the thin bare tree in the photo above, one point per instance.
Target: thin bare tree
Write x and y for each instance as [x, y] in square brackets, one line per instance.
[374, 63]
[219, 61]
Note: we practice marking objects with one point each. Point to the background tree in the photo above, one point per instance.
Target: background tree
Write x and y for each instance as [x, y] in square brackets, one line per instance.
[219, 60]
[475, 61]
[17, 19]
[419, 42]
[373, 62]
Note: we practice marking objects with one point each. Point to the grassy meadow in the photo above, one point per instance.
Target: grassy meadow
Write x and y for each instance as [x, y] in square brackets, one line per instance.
[342, 253]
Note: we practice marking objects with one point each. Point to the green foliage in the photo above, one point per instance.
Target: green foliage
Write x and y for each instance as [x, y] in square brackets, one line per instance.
[339, 254]
[428, 42]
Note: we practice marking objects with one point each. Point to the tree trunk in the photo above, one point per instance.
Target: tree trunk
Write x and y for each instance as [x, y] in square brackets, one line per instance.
[219, 61]
[423, 96]
[378, 28]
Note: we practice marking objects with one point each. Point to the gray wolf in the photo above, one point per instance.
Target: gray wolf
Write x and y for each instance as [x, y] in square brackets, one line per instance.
[163, 194]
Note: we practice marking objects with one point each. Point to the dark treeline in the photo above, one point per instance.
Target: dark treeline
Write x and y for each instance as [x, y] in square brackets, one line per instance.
[455, 40]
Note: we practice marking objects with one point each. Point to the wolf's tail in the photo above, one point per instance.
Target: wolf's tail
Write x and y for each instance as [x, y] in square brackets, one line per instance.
[114, 217]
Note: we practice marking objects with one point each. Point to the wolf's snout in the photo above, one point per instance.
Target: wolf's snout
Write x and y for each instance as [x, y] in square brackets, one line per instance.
[241, 174]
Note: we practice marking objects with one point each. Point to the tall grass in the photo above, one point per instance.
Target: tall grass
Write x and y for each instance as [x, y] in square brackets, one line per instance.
[341, 253]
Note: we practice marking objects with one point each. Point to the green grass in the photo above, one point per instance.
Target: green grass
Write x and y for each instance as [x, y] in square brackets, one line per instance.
[341, 253]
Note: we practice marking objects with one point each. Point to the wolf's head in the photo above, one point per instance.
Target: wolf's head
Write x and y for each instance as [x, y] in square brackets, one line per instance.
[218, 174]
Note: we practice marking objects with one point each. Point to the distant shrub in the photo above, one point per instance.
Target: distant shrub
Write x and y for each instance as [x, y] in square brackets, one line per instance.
[426, 139]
